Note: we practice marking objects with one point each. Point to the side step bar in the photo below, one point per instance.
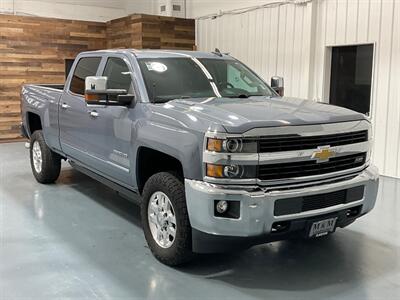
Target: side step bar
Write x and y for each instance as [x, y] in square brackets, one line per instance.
[123, 191]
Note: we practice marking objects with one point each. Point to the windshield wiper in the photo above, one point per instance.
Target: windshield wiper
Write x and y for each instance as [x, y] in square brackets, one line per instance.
[163, 99]
[238, 96]
[245, 96]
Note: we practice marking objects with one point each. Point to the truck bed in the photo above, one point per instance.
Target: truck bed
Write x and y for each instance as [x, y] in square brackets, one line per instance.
[42, 100]
[52, 86]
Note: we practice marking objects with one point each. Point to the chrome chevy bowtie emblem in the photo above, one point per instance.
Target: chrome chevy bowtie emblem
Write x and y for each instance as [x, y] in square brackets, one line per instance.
[323, 154]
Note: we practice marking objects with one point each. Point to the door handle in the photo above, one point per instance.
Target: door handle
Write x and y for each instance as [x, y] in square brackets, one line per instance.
[93, 114]
[65, 106]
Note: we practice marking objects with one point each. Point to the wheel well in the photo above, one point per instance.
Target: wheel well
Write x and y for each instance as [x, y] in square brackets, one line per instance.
[34, 123]
[150, 162]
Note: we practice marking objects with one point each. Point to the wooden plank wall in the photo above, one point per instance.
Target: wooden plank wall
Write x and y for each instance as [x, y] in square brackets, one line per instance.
[142, 31]
[33, 50]
[124, 33]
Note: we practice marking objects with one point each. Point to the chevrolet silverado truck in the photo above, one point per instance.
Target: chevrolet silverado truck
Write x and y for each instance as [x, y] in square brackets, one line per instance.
[216, 158]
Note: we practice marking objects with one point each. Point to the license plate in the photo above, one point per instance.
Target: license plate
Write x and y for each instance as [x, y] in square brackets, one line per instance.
[323, 227]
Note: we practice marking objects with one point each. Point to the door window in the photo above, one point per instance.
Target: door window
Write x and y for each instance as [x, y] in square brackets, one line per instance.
[86, 66]
[118, 74]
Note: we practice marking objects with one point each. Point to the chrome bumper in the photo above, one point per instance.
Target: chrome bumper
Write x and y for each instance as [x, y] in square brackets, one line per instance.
[257, 208]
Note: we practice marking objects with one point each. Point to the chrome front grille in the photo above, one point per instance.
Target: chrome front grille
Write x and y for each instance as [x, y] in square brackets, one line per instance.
[290, 155]
[310, 167]
[297, 142]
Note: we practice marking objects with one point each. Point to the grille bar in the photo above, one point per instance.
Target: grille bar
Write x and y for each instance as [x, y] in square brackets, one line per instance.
[295, 142]
[310, 167]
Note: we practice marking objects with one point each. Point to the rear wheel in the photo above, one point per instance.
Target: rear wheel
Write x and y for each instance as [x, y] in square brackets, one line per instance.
[45, 164]
[165, 219]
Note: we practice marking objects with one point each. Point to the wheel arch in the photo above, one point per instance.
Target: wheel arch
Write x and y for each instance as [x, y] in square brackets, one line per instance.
[34, 122]
[150, 161]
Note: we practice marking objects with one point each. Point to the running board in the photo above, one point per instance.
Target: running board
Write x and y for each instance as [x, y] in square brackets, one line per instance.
[123, 191]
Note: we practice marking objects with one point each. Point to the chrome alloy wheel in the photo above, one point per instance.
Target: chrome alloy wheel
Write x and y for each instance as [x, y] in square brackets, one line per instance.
[162, 221]
[37, 157]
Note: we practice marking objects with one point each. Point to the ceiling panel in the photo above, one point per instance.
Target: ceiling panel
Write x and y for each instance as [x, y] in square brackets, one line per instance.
[100, 3]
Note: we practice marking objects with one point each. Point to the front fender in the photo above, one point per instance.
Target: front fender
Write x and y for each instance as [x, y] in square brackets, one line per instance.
[182, 144]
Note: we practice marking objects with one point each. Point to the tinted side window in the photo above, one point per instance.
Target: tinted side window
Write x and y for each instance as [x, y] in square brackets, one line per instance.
[86, 67]
[119, 76]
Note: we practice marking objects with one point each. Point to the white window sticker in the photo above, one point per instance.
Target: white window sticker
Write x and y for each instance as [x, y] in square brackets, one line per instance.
[156, 66]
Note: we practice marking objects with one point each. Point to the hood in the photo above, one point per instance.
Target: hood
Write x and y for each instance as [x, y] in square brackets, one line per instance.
[239, 115]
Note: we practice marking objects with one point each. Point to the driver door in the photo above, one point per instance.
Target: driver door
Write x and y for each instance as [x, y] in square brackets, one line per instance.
[110, 127]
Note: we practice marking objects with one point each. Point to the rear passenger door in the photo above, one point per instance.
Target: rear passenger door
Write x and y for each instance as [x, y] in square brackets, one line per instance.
[110, 127]
[73, 112]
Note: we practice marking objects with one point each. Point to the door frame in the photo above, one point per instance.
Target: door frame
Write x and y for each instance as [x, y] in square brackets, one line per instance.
[326, 81]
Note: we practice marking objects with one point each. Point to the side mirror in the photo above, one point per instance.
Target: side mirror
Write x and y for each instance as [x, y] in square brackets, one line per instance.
[277, 85]
[96, 92]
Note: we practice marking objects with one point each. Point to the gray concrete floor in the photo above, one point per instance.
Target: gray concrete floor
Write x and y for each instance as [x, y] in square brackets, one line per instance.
[78, 239]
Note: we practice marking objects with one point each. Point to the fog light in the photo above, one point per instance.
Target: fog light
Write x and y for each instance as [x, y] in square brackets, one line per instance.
[353, 212]
[222, 206]
[280, 226]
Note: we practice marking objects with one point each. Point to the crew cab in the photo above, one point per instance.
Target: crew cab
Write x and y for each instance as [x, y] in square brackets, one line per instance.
[216, 158]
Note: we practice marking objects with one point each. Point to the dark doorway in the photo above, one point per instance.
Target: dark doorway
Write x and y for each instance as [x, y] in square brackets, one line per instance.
[351, 74]
[68, 66]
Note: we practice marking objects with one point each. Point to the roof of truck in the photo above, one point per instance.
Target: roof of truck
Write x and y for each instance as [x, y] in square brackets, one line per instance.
[153, 53]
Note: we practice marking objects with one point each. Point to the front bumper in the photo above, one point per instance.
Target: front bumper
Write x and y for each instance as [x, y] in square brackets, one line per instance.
[257, 210]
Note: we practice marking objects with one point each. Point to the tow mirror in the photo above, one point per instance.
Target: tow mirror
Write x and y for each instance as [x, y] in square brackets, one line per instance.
[277, 85]
[96, 92]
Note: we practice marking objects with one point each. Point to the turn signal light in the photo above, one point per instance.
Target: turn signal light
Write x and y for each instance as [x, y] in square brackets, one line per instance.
[214, 145]
[91, 97]
[215, 171]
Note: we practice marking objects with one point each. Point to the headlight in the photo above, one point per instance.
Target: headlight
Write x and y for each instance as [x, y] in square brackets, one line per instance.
[231, 171]
[232, 145]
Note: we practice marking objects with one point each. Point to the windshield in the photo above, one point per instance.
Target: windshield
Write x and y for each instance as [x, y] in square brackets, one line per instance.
[184, 77]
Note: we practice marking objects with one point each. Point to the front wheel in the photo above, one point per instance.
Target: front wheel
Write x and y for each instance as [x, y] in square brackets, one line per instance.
[165, 219]
[45, 164]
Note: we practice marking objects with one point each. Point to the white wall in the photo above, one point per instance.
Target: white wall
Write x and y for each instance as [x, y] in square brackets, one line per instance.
[169, 11]
[348, 22]
[89, 10]
[273, 41]
[140, 6]
[75, 10]
[198, 8]
[292, 41]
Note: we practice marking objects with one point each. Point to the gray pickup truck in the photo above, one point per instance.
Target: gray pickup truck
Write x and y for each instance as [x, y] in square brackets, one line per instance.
[215, 157]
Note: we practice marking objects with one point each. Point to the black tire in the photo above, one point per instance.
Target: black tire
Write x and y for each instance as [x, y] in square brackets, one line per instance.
[180, 251]
[51, 161]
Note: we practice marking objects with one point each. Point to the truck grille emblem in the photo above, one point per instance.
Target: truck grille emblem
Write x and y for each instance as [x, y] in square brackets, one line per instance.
[323, 154]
